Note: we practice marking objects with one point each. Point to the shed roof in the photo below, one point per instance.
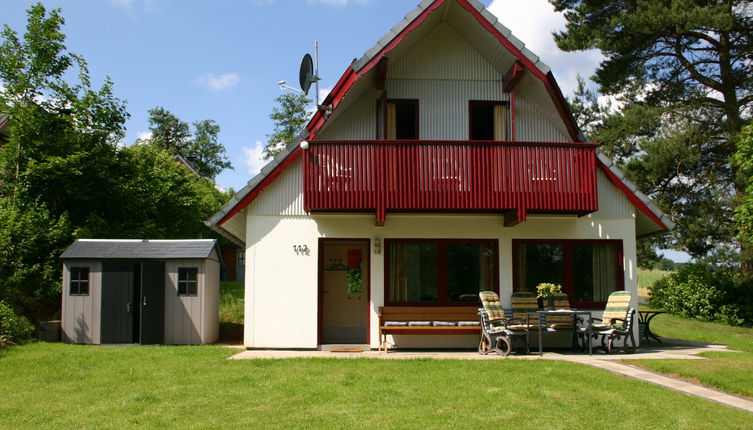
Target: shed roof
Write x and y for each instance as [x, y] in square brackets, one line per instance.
[139, 249]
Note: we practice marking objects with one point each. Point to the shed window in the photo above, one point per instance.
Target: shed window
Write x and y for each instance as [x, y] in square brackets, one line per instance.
[488, 120]
[402, 120]
[79, 282]
[188, 281]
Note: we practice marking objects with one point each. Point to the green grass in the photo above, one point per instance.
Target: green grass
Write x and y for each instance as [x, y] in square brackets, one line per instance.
[729, 371]
[73, 386]
[231, 302]
[646, 277]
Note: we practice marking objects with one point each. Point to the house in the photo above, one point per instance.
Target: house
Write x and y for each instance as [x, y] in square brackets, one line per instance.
[141, 291]
[444, 162]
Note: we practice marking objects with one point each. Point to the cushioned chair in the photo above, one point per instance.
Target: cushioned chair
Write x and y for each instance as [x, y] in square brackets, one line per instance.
[497, 330]
[523, 303]
[564, 322]
[616, 322]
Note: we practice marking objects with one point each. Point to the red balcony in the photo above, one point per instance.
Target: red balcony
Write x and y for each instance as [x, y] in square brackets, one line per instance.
[511, 177]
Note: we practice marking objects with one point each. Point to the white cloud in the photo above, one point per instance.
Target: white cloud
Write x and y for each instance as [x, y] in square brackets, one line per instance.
[533, 21]
[121, 3]
[219, 82]
[323, 93]
[253, 158]
[338, 2]
[263, 2]
[145, 135]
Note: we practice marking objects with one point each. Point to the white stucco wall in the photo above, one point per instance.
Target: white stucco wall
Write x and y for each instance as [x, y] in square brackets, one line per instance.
[281, 284]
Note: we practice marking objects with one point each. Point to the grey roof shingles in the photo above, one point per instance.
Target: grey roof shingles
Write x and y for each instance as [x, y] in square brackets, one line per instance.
[138, 249]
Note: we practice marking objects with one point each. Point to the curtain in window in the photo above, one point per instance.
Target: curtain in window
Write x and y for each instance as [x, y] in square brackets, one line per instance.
[500, 120]
[391, 121]
[604, 271]
[399, 271]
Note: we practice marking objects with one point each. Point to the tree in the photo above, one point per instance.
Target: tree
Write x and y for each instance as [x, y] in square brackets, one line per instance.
[289, 117]
[743, 159]
[682, 68]
[201, 148]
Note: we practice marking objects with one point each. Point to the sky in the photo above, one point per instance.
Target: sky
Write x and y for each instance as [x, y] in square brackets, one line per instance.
[221, 60]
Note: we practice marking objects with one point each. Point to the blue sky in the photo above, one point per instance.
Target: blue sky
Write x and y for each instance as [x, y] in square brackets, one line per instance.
[222, 60]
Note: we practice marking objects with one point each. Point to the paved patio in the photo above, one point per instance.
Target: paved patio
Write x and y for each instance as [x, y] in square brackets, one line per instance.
[669, 349]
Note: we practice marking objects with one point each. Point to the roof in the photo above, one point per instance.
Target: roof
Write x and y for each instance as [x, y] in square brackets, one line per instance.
[3, 123]
[658, 220]
[138, 249]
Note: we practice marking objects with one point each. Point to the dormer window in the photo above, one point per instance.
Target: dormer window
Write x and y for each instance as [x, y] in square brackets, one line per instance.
[402, 120]
[488, 120]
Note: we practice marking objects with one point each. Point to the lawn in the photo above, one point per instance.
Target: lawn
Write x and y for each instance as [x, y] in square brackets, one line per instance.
[231, 302]
[728, 371]
[75, 386]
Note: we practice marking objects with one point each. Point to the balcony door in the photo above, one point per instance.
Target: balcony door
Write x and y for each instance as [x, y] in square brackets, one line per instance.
[344, 291]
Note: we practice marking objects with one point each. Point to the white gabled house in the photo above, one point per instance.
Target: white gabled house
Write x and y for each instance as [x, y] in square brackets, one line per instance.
[446, 163]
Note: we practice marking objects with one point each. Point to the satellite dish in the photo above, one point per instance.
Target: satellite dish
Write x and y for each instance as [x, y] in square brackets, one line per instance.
[306, 75]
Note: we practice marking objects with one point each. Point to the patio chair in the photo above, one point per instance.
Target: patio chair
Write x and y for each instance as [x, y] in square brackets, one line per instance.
[523, 303]
[498, 331]
[616, 322]
[563, 322]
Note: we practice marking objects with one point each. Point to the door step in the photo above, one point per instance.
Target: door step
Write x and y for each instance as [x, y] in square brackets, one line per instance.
[344, 347]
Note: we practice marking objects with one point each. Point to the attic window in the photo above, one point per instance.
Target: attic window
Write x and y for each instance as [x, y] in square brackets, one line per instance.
[488, 120]
[402, 120]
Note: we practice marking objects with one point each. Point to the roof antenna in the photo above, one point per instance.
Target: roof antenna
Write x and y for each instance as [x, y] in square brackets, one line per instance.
[308, 74]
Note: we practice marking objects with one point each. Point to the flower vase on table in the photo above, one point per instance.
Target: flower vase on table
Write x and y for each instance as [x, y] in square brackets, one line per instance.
[546, 294]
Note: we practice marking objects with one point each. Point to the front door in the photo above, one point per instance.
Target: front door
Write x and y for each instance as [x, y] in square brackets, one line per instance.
[344, 287]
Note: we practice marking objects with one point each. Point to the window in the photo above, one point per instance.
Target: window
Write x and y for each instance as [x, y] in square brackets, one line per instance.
[402, 120]
[440, 271]
[588, 270]
[241, 258]
[188, 281]
[79, 282]
[488, 120]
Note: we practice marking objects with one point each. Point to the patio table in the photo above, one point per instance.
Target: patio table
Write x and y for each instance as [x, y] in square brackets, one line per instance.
[644, 324]
[572, 312]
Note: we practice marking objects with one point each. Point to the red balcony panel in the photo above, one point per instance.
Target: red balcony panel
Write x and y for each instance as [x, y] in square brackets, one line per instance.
[450, 176]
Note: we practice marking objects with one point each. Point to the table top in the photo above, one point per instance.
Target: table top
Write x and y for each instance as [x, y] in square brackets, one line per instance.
[561, 312]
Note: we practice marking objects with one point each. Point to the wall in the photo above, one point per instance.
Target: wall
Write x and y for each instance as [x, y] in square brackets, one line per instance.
[80, 315]
[211, 327]
[443, 71]
[184, 315]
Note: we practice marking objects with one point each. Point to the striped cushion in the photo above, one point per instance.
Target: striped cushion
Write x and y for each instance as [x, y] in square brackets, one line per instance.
[522, 303]
[419, 323]
[444, 324]
[468, 323]
[396, 323]
[492, 305]
[618, 304]
[561, 301]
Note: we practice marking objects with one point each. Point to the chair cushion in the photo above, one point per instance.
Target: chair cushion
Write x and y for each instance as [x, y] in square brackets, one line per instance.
[469, 323]
[562, 326]
[395, 323]
[517, 327]
[492, 305]
[419, 323]
[598, 326]
[444, 324]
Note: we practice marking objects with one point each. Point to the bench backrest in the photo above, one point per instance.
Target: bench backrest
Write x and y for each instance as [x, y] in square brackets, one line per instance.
[425, 313]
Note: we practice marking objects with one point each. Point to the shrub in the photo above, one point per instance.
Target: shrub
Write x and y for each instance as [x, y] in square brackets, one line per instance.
[696, 292]
[13, 328]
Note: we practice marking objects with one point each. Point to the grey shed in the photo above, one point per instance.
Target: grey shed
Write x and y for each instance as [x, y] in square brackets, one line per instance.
[141, 291]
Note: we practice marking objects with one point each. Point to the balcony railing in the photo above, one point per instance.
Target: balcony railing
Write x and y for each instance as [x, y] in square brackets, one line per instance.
[450, 176]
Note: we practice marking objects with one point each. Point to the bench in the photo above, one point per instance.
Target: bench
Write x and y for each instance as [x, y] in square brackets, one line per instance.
[420, 320]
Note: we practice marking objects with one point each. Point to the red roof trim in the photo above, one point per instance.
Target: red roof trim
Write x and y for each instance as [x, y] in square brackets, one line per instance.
[250, 197]
[631, 196]
[350, 76]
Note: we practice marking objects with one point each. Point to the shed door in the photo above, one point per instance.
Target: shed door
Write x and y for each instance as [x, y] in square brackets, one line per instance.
[118, 302]
[152, 302]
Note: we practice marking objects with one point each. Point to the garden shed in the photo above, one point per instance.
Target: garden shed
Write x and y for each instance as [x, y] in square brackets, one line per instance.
[141, 291]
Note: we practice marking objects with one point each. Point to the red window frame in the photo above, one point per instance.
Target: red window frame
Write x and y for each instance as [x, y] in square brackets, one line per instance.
[568, 286]
[441, 270]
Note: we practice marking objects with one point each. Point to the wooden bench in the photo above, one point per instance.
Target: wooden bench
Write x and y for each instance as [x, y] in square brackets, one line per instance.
[425, 313]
